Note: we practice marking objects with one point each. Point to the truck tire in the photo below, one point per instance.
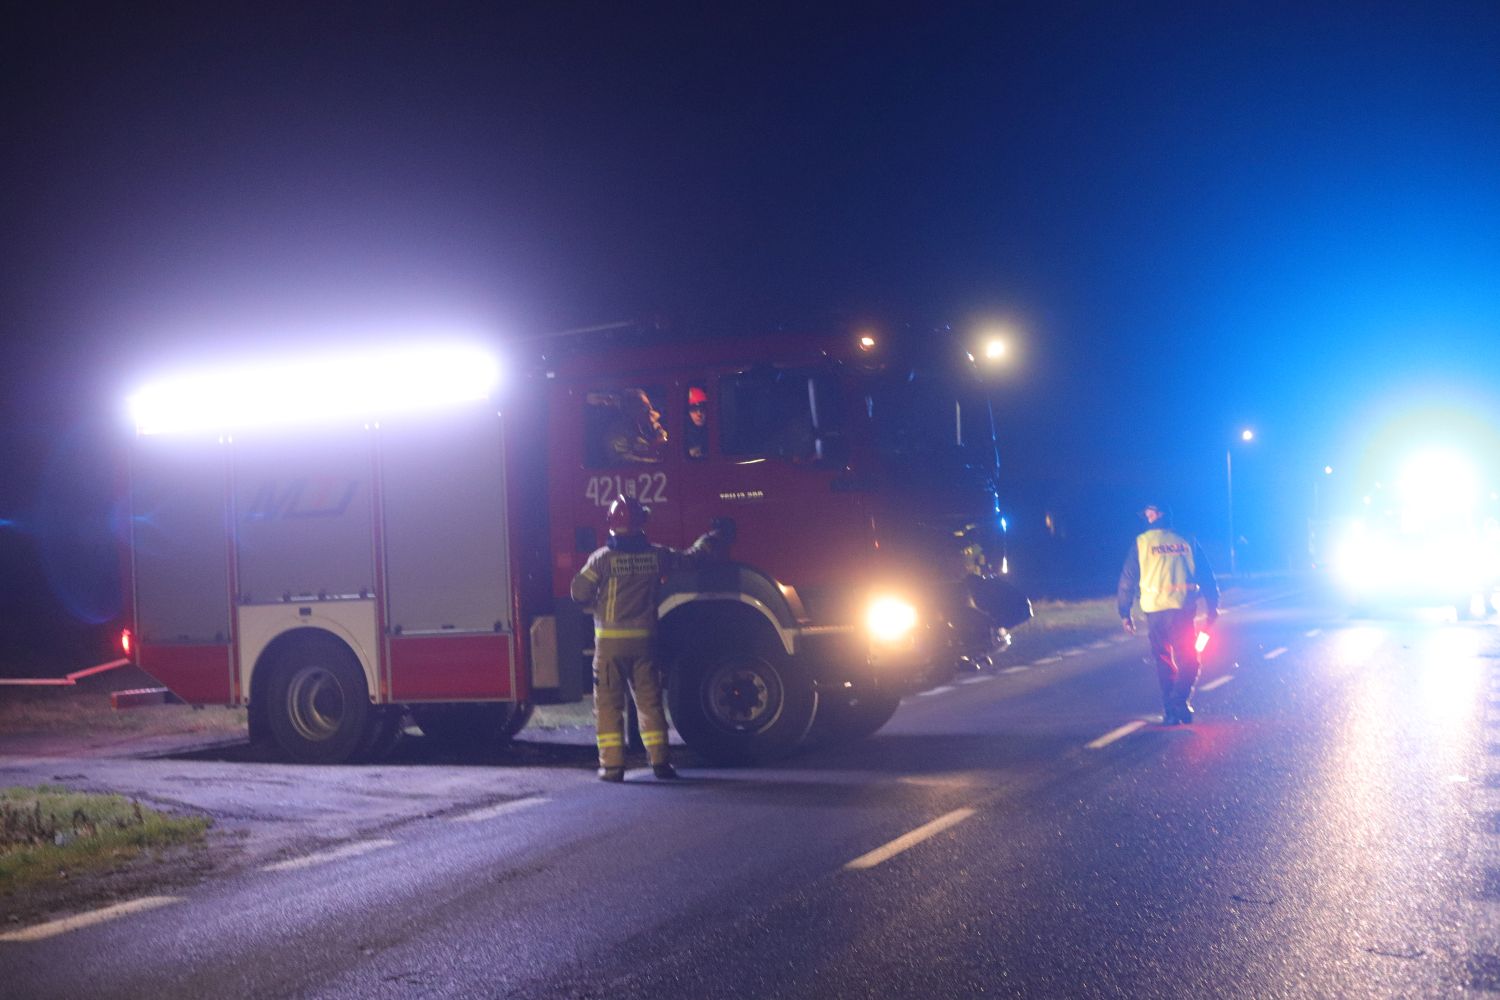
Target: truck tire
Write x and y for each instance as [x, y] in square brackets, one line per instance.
[319, 705]
[475, 725]
[739, 701]
[846, 718]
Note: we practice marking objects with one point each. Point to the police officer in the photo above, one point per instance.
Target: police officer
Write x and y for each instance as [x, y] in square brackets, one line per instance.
[1170, 572]
[619, 581]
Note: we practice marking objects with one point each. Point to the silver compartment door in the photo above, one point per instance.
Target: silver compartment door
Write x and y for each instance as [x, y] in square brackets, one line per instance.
[303, 514]
[179, 540]
[443, 490]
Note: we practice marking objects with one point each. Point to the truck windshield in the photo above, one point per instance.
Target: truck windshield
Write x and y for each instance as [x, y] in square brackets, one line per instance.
[923, 417]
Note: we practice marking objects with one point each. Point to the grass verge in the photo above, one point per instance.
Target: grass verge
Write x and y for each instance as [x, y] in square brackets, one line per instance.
[49, 833]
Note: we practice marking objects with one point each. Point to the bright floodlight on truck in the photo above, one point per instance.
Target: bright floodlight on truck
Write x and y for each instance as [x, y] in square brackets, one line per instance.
[890, 619]
[361, 385]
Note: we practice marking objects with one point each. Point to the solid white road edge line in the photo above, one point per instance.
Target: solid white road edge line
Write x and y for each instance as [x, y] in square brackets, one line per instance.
[907, 840]
[322, 857]
[1101, 644]
[936, 690]
[1279, 650]
[1115, 734]
[977, 680]
[1217, 682]
[1049, 659]
[61, 926]
[500, 809]
[1015, 670]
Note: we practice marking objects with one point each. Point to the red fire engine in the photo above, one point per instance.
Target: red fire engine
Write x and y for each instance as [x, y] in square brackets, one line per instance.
[339, 542]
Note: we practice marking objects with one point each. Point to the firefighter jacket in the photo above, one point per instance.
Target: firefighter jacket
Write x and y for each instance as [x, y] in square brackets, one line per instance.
[620, 581]
[1169, 572]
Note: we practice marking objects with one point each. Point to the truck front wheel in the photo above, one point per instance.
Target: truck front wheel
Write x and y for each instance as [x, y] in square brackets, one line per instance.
[844, 718]
[740, 702]
[319, 705]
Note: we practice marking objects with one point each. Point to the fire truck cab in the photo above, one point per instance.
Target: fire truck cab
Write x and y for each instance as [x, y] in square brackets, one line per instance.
[336, 551]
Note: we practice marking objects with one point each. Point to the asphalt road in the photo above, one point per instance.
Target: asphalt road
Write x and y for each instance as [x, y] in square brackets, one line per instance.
[1329, 827]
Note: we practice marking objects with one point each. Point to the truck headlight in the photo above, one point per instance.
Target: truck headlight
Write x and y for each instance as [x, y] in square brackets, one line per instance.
[890, 619]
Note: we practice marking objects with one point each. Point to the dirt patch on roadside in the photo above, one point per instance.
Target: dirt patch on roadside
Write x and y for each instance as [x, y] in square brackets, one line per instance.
[78, 720]
[155, 872]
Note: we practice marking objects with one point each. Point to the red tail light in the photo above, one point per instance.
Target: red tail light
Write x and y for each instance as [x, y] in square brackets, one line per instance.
[127, 641]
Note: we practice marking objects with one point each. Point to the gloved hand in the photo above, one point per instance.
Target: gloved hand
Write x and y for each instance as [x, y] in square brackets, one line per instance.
[1128, 624]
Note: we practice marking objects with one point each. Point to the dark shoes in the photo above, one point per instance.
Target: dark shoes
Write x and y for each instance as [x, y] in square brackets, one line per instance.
[1176, 711]
[663, 772]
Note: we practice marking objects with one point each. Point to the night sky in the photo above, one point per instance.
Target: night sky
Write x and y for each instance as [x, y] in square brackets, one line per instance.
[1195, 217]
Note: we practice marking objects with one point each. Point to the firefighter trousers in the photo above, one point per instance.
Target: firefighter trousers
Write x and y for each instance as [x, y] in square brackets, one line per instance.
[1172, 636]
[618, 664]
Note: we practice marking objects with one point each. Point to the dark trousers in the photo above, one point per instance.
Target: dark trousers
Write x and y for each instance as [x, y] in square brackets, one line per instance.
[1172, 638]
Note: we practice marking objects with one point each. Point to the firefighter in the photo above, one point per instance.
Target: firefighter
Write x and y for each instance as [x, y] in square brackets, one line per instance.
[1169, 572]
[619, 582]
[637, 435]
[696, 431]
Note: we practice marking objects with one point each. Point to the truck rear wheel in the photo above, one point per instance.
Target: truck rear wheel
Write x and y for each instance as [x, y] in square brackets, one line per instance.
[740, 702]
[845, 718]
[319, 705]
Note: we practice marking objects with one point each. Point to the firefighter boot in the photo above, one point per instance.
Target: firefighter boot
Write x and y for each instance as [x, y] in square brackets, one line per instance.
[612, 774]
[1168, 706]
[665, 771]
[1180, 707]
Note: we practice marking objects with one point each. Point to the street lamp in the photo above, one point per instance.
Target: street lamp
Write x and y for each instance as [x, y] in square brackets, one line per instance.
[1247, 435]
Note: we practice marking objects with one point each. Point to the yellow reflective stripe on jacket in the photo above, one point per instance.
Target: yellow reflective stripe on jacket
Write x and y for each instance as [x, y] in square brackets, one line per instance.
[1167, 570]
[589, 572]
[655, 738]
[622, 633]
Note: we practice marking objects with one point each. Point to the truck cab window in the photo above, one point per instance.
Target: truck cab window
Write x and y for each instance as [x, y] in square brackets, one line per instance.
[768, 413]
[623, 427]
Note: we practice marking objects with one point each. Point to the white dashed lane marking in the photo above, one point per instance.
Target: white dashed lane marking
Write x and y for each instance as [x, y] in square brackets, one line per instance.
[55, 927]
[1101, 644]
[1217, 682]
[1015, 670]
[909, 840]
[1049, 659]
[490, 812]
[1313, 632]
[1278, 651]
[937, 690]
[1115, 734]
[336, 854]
[977, 680]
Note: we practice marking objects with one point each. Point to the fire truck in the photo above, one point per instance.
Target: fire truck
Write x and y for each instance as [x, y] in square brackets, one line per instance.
[346, 544]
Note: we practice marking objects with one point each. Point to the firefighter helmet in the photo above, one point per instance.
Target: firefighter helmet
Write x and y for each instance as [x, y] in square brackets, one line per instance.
[627, 516]
[696, 396]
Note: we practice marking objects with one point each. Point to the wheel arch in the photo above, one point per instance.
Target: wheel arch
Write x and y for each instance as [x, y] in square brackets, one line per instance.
[734, 592]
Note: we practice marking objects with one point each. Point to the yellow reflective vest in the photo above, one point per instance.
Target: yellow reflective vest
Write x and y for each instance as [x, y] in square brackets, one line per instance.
[1168, 570]
[619, 583]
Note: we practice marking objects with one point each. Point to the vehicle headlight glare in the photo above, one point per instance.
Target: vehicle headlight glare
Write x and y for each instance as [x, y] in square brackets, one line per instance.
[890, 619]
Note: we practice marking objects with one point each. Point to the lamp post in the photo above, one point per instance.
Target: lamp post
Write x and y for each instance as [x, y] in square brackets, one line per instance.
[1245, 435]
